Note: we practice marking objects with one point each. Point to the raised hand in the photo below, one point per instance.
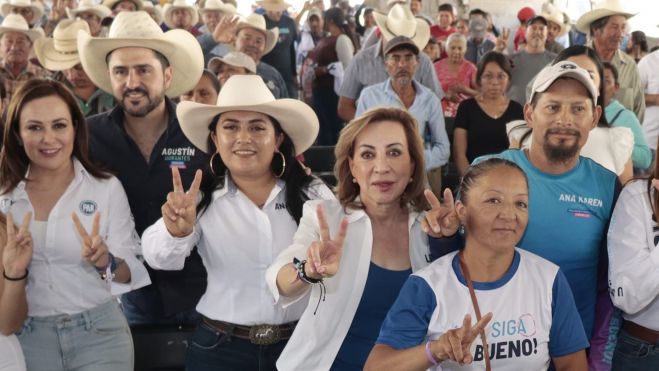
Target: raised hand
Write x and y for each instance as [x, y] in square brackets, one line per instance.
[323, 256]
[225, 31]
[17, 254]
[94, 249]
[502, 40]
[455, 344]
[442, 219]
[180, 210]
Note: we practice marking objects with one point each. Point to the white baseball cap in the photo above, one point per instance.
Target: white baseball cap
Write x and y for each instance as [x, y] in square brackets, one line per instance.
[563, 69]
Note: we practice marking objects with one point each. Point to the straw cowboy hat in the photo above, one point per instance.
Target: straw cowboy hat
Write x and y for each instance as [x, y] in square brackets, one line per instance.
[218, 5]
[179, 4]
[249, 93]
[257, 22]
[16, 23]
[604, 9]
[236, 59]
[273, 5]
[154, 11]
[401, 22]
[112, 3]
[37, 8]
[61, 52]
[138, 29]
[553, 14]
[89, 6]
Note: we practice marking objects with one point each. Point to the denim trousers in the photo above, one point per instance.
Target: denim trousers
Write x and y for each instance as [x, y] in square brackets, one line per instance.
[98, 339]
[633, 354]
[213, 350]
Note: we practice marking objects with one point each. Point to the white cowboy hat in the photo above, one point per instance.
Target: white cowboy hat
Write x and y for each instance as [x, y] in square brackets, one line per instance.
[61, 52]
[553, 14]
[218, 5]
[16, 23]
[89, 6]
[603, 9]
[138, 29]
[236, 59]
[37, 8]
[401, 22]
[249, 93]
[112, 3]
[179, 4]
[153, 10]
[257, 22]
[273, 5]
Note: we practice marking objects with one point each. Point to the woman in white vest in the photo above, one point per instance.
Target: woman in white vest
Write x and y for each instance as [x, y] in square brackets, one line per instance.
[531, 318]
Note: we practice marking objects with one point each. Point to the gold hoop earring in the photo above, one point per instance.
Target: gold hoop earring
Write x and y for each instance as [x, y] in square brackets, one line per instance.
[283, 165]
[210, 163]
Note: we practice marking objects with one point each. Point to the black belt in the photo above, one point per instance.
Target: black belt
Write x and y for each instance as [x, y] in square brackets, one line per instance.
[257, 334]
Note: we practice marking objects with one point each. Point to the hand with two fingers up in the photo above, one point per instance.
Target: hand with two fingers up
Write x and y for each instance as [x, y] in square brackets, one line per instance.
[94, 249]
[455, 344]
[180, 210]
[442, 219]
[17, 252]
[324, 256]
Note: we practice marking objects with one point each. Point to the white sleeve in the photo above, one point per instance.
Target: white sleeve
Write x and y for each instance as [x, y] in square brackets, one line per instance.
[122, 240]
[164, 251]
[643, 73]
[622, 145]
[633, 261]
[344, 50]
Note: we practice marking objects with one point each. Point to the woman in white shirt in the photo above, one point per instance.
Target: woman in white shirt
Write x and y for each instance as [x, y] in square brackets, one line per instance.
[82, 233]
[249, 205]
[374, 230]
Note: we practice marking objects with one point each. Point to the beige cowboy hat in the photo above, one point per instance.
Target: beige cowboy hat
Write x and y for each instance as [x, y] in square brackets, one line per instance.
[16, 23]
[553, 14]
[61, 52]
[37, 8]
[89, 6]
[257, 22]
[249, 93]
[401, 22]
[179, 4]
[112, 3]
[138, 29]
[273, 5]
[153, 10]
[603, 9]
[236, 59]
[218, 5]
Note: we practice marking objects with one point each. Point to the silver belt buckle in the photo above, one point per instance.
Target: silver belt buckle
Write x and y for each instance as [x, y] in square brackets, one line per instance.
[264, 334]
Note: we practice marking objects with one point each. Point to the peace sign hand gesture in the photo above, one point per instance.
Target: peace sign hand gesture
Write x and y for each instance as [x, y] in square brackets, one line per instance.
[502, 40]
[323, 256]
[180, 210]
[455, 344]
[17, 254]
[94, 249]
[442, 219]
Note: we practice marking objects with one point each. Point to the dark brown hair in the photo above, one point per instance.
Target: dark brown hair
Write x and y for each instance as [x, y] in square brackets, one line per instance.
[493, 57]
[13, 159]
[476, 171]
[346, 190]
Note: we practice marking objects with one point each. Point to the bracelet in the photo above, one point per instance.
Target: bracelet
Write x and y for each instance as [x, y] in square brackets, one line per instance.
[429, 355]
[21, 278]
[107, 273]
[302, 275]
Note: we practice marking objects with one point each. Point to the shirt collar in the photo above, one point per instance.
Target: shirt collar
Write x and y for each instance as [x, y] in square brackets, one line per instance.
[389, 90]
[79, 173]
[231, 189]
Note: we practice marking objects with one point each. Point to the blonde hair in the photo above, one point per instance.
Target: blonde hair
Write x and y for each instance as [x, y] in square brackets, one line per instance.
[347, 191]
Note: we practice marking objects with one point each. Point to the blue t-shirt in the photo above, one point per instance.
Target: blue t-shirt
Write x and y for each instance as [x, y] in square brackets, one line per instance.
[380, 292]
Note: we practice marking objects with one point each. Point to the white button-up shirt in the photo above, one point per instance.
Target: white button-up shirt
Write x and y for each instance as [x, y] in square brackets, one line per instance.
[61, 281]
[237, 241]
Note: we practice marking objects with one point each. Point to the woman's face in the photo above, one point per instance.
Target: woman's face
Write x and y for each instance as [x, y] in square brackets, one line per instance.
[381, 164]
[47, 133]
[494, 80]
[610, 86]
[204, 92]
[495, 212]
[246, 142]
[587, 64]
[456, 51]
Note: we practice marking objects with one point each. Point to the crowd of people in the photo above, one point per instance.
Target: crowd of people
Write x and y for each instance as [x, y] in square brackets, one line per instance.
[153, 172]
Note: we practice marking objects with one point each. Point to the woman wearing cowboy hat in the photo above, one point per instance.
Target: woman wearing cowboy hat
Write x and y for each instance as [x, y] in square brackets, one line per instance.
[249, 206]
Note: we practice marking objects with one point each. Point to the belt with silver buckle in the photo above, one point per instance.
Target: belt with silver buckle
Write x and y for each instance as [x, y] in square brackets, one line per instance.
[257, 334]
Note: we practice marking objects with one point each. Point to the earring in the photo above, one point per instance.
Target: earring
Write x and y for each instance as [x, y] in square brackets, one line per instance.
[210, 163]
[354, 180]
[411, 180]
[283, 165]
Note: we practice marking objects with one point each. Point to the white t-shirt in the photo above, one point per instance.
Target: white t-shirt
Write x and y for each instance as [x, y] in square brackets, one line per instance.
[647, 68]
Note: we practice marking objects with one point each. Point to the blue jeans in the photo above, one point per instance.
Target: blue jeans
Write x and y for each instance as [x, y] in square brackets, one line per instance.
[95, 340]
[633, 354]
[213, 350]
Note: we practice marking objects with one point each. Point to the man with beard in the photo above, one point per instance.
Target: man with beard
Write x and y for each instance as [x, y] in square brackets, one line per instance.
[402, 91]
[530, 60]
[181, 15]
[140, 140]
[571, 198]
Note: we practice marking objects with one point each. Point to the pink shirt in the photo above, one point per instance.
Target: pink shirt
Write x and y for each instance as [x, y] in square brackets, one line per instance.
[465, 76]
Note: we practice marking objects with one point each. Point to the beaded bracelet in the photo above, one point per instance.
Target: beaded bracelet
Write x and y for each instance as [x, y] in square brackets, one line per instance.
[302, 275]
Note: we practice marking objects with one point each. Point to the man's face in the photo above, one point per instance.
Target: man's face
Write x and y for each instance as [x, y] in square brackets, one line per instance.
[138, 80]
[561, 120]
[251, 42]
[124, 6]
[610, 37]
[181, 18]
[445, 19]
[415, 7]
[274, 15]
[211, 18]
[553, 29]
[401, 66]
[26, 12]
[536, 34]
[93, 21]
[15, 47]
[78, 78]
[315, 25]
[224, 71]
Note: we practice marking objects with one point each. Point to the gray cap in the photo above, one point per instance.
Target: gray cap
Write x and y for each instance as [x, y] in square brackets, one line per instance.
[549, 74]
[399, 41]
